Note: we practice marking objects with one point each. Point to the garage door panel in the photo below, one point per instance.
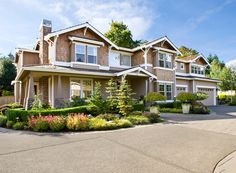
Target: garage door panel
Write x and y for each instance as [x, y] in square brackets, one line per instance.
[211, 96]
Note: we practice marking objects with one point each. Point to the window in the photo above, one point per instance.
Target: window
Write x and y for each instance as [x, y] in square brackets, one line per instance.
[182, 66]
[82, 50]
[92, 54]
[164, 60]
[82, 88]
[196, 69]
[80, 53]
[166, 90]
[125, 60]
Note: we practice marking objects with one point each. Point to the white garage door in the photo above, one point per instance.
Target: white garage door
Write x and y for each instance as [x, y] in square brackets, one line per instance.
[211, 100]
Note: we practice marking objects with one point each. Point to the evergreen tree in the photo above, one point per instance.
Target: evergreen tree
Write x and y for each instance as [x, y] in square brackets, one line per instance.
[124, 98]
[112, 99]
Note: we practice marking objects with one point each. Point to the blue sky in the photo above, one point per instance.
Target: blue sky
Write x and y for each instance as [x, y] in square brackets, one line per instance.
[207, 26]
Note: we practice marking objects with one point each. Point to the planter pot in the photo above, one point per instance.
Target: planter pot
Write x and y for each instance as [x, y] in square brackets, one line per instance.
[154, 109]
[186, 108]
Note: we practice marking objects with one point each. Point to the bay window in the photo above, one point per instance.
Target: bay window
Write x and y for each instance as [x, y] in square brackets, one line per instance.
[81, 87]
[86, 53]
[166, 90]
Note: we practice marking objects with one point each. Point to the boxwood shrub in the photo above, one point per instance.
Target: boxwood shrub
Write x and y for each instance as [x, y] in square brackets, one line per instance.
[22, 115]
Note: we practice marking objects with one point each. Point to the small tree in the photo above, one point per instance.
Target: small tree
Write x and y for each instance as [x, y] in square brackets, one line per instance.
[154, 96]
[186, 97]
[96, 103]
[124, 98]
[112, 99]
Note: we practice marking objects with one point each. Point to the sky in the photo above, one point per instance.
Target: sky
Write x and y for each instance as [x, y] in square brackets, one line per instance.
[207, 26]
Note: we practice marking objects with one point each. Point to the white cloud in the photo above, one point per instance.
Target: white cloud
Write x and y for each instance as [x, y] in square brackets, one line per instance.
[135, 14]
[232, 64]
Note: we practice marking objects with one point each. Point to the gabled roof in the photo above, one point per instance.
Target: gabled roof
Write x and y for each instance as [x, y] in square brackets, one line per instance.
[192, 58]
[139, 69]
[87, 25]
[151, 43]
[83, 25]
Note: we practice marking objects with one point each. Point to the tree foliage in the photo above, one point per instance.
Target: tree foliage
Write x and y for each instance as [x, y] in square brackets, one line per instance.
[187, 51]
[124, 98]
[112, 98]
[7, 73]
[120, 35]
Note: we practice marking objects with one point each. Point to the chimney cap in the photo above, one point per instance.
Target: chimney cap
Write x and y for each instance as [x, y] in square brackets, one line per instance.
[46, 23]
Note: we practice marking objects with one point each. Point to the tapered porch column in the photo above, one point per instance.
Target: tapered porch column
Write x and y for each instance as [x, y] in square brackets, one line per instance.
[53, 92]
[31, 93]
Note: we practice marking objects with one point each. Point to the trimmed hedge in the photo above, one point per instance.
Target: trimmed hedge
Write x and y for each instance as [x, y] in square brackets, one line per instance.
[22, 115]
[170, 110]
[138, 107]
[170, 105]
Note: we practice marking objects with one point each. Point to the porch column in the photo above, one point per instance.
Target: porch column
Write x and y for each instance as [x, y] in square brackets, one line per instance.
[59, 91]
[31, 93]
[25, 92]
[53, 92]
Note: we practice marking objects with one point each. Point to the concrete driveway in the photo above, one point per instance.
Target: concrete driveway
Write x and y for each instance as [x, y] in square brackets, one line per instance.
[176, 146]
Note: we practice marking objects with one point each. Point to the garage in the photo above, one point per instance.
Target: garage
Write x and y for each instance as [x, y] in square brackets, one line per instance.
[211, 92]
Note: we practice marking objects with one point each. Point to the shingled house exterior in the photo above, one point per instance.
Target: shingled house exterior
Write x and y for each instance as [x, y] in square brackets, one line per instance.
[69, 61]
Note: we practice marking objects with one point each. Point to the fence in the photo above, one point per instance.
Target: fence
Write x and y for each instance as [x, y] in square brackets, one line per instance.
[6, 100]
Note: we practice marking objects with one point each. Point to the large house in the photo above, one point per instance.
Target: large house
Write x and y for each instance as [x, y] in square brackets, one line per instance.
[69, 61]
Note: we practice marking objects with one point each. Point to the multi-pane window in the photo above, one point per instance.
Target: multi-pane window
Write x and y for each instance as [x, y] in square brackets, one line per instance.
[197, 70]
[166, 90]
[164, 60]
[125, 60]
[92, 54]
[86, 54]
[80, 53]
[81, 87]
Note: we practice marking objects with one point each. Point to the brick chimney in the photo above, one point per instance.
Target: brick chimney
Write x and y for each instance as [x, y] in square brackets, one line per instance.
[45, 28]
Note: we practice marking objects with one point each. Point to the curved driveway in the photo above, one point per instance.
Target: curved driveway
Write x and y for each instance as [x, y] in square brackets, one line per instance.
[177, 145]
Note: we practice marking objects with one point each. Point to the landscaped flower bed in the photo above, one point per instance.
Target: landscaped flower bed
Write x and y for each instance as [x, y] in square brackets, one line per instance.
[78, 122]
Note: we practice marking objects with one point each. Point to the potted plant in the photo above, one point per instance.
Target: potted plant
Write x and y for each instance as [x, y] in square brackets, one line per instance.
[151, 98]
[186, 100]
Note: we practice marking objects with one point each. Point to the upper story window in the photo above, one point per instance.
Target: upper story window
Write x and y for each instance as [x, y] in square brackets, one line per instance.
[164, 60]
[86, 53]
[125, 60]
[117, 59]
[196, 69]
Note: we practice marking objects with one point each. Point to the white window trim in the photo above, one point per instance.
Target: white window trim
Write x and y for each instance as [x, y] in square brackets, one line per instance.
[197, 65]
[165, 88]
[183, 86]
[77, 39]
[163, 68]
[166, 53]
[86, 54]
[121, 66]
[81, 80]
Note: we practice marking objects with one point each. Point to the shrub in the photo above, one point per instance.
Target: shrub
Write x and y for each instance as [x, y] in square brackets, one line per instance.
[3, 120]
[101, 124]
[199, 108]
[152, 117]
[23, 115]
[39, 123]
[7, 93]
[137, 119]
[154, 96]
[170, 110]
[57, 123]
[18, 126]
[37, 103]
[123, 123]
[77, 101]
[175, 104]
[186, 97]
[201, 96]
[9, 124]
[136, 113]
[77, 122]
[112, 98]
[233, 103]
[138, 107]
[107, 117]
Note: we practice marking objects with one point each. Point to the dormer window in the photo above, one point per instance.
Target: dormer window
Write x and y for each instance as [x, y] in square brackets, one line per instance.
[86, 53]
[164, 60]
